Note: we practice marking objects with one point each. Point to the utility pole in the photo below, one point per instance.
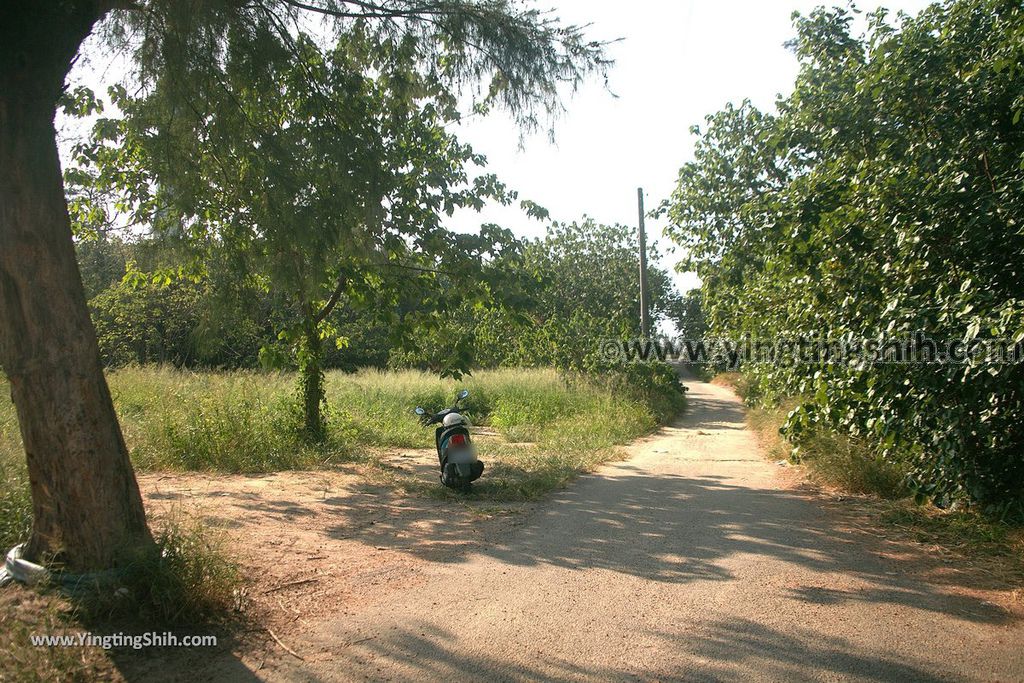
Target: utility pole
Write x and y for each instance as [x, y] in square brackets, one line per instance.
[645, 311]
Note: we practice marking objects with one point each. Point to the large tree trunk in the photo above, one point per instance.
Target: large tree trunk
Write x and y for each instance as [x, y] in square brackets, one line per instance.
[85, 500]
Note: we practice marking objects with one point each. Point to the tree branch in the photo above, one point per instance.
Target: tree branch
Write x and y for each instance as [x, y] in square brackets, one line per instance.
[339, 289]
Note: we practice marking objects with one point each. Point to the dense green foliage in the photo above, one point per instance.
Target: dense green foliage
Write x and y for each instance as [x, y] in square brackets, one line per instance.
[884, 197]
[299, 205]
[578, 289]
[332, 194]
[201, 323]
[497, 53]
[587, 291]
[561, 296]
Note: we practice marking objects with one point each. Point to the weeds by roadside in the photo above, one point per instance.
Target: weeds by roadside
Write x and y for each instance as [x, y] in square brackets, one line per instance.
[849, 464]
[246, 422]
[186, 577]
[960, 530]
[547, 431]
[843, 463]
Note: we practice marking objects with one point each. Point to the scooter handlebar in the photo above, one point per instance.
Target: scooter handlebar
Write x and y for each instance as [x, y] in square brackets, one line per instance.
[426, 419]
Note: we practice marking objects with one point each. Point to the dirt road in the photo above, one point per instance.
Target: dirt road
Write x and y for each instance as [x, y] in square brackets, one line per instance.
[691, 560]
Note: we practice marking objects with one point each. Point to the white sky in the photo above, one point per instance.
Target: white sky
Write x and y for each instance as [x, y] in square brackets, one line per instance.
[678, 61]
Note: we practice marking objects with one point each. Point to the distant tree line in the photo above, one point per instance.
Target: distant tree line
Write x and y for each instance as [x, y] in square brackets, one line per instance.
[560, 295]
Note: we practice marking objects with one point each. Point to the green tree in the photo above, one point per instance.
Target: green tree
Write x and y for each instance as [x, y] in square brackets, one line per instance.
[563, 295]
[320, 197]
[594, 269]
[183, 323]
[102, 262]
[882, 199]
[687, 313]
[86, 502]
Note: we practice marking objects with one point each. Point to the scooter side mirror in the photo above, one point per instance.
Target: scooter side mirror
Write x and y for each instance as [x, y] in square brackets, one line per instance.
[463, 394]
[420, 411]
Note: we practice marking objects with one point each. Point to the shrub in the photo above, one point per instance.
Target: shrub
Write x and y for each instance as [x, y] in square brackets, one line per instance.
[852, 465]
[186, 577]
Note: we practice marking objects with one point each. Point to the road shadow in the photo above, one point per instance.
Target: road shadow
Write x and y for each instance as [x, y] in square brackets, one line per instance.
[184, 665]
[723, 651]
[679, 529]
[710, 413]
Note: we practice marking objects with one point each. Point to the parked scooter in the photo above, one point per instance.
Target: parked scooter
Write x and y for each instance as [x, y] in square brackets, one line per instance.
[459, 465]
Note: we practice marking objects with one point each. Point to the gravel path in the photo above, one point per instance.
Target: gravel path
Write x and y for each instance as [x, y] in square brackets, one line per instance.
[691, 560]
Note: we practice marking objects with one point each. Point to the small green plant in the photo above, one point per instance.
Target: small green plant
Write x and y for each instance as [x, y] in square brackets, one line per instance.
[185, 577]
[852, 465]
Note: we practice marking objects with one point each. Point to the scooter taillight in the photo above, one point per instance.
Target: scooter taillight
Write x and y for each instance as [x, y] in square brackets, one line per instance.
[457, 440]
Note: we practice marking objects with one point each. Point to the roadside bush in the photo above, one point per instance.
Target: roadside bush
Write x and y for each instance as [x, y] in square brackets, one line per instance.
[655, 384]
[187, 577]
[851, 465]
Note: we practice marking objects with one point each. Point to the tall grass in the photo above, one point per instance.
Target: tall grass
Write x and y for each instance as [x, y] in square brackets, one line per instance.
[837, 460]
[850, 464]
[833, 459]
[222, 422]
[247, 422]
[374, 408]
[15, 504]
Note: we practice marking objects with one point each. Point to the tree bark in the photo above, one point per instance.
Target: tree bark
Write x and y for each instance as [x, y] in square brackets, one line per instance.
[85, 501]
[312, 378]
